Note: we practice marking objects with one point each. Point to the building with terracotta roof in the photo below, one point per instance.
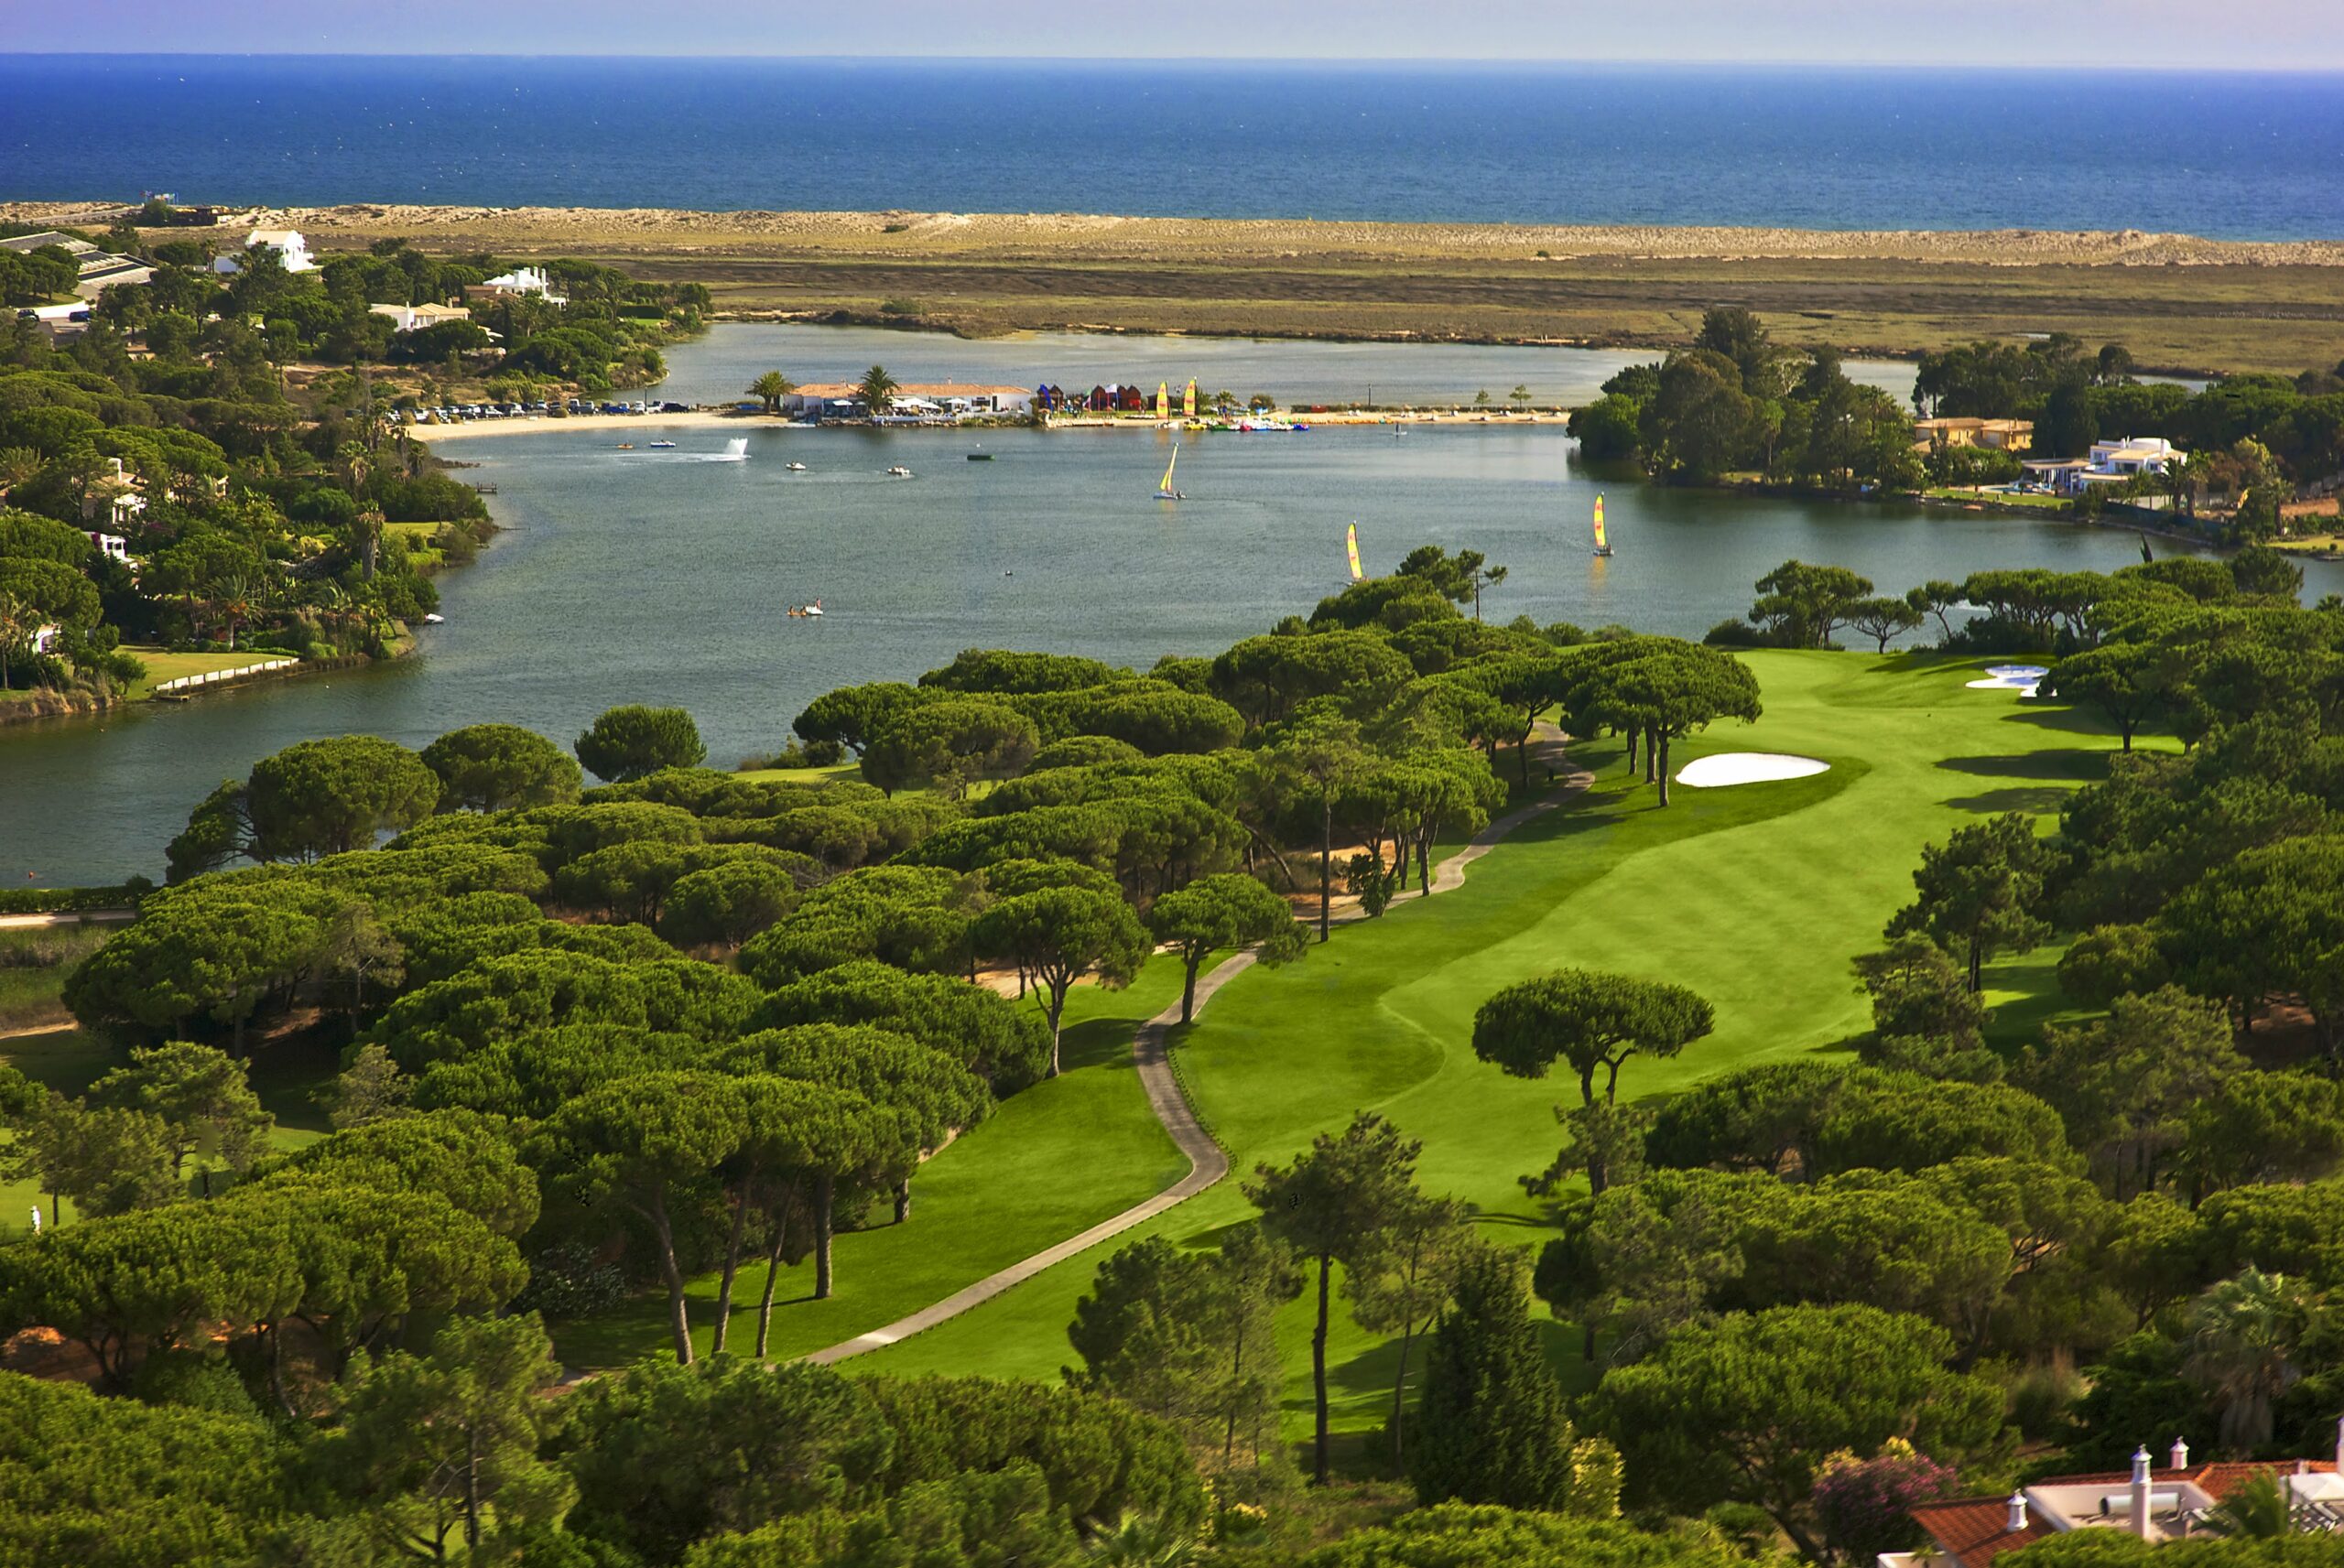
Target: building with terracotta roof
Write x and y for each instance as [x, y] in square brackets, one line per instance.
[2171, 1504]
[2007, 435]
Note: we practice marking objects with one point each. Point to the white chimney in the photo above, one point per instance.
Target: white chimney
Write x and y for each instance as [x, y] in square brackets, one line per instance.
[2018, 1511]
[2140, 1499]
[2180, 1453]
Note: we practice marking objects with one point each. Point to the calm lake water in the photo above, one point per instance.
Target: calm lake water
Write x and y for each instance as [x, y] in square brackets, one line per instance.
[642, 577]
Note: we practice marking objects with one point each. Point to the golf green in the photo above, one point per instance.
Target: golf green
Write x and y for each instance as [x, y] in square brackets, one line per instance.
[1756, 895]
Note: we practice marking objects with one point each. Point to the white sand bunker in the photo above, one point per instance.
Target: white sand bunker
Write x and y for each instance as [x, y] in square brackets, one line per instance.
[2020, 678]
[1746, 767]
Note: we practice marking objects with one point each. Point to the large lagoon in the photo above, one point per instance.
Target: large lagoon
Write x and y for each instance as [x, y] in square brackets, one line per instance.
[644, 577]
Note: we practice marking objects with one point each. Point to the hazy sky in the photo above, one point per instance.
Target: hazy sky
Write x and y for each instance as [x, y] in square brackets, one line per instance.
[2274, 33]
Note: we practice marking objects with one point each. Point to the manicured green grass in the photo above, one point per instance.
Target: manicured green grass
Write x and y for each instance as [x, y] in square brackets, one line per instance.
[285, 1076]
[2028, 500]
[1052, 1162]
[1756, 896]
[162, 666]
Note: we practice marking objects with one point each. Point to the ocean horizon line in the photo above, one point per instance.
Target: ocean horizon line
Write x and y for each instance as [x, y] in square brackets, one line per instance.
[1393, 64]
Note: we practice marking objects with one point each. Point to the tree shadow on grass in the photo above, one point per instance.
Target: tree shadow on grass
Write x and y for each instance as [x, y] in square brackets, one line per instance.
[2055, 762]
[1098, 1042]
[2072, 721]
[2033, 799]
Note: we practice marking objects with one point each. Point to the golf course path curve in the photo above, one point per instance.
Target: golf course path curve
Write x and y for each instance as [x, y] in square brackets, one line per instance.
[1151, 1054]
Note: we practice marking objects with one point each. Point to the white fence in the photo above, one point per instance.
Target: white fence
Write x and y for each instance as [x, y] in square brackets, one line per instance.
[213, 677]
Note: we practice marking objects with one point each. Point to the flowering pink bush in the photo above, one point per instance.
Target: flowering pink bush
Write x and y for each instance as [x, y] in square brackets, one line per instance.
[1865, 1504]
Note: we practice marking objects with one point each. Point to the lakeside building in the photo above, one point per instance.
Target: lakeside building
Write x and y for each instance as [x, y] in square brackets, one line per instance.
[843, 400]
[2157, 1506]
[112, 546]
[2110, 462]
[415, 317]
[2003, 434]
[98, 270]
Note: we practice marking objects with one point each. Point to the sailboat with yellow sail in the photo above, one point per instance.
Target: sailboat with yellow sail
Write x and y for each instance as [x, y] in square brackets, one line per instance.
[1188, 400]
[1162, 402]
[1350, 544]
[1602, 544]
[1165, 492]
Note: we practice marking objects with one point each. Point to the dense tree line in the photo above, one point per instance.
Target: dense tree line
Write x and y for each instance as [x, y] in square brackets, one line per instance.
[255, 510]
[1736, 403]
[688, 1023]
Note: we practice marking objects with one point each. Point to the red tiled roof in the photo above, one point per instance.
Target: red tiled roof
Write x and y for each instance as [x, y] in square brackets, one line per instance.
[1976, 1530]
[2220, 1480]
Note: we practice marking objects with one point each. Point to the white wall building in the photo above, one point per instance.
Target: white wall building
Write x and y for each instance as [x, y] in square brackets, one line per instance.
[415, 317]
[523, 280]
[286, 242]
[2110, 462]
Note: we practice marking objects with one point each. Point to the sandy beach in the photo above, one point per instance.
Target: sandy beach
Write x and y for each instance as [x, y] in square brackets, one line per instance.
[1104, 235]
[633, 425]
[2182, 304]
[628, 424]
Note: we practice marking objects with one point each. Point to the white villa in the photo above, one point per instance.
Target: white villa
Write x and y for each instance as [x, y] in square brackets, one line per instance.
[286, 242]
[521, 280]
[2110, 462]
[415, 317]
[112, 546]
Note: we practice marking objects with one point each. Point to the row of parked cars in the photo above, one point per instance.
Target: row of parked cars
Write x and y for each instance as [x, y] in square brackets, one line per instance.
[454, 412]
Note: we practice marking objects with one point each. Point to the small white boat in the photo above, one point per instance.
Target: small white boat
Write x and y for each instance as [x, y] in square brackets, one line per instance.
[663, 445]
[814, 607]
[795, 468]
[899, 471]
[435, 618]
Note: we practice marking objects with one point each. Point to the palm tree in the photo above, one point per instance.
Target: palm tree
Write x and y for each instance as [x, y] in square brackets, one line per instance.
[355, 462]
[2257, 1510]
[770, 389]
[1139, 1542]
[17, 620]
[236, 603]
[2242, 1340]
[368, 530]
[877, 389]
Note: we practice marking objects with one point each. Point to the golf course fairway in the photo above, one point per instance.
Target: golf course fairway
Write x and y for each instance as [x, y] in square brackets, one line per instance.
[1757, 897]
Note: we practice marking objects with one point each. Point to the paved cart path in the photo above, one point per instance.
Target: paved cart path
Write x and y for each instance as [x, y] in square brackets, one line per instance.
[1207, 1160]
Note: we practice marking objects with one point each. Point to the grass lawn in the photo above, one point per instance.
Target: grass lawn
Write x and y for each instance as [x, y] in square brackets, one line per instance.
[2002, 498]
[1053, 1161]
[285, 1076]
[162, 666]
[1756, 896]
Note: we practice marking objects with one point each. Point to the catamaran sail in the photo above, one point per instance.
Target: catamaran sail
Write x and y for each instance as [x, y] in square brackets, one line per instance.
[1188, 400]
[1350, 543]
[1165, 492]
[1163, 400]
[1603, 547]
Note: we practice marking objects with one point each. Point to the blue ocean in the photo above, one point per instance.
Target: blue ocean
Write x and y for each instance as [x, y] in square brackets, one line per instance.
[2231, 155]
